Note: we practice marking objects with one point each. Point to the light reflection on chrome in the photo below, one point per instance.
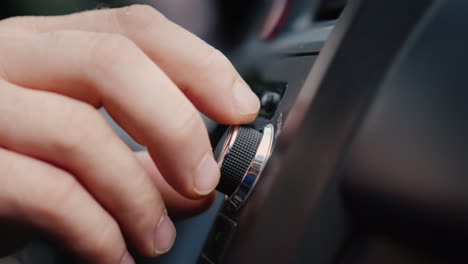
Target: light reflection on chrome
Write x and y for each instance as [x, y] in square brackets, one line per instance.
[255, 169]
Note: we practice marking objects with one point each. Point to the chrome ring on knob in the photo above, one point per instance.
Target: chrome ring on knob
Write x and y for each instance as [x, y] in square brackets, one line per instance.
[256, 166]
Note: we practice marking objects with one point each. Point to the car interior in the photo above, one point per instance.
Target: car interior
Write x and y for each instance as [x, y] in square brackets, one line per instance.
[363, 123]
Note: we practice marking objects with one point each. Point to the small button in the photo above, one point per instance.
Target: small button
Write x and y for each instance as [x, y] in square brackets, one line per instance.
[270, 101]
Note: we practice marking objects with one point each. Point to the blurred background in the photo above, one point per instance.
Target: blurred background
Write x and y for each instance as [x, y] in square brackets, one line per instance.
[219, 22]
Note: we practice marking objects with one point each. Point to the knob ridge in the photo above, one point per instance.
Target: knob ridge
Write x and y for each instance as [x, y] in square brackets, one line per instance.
[238, 159]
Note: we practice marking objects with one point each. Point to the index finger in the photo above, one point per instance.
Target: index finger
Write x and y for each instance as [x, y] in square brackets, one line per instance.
[203, 73]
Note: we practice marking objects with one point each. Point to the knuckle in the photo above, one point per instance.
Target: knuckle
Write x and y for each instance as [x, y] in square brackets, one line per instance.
[139, 17]
[65, 195]
[77, 123]
[213, 60]
[58, 39]
[26, 197]
[13, 191]
[147, 201]
[62, 37]
[104, 243]
[61, 195]
[187, 125]
[109, 49]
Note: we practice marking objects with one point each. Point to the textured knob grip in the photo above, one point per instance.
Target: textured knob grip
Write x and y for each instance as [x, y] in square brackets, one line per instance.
[238, 158]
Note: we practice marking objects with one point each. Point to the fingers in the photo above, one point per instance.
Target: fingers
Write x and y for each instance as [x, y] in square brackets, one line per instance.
[177, 205]
[68, 133]
[142, 99]
[202, 72]
[50, 199]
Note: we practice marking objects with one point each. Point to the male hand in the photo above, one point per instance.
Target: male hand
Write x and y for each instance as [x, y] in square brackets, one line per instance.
[63, 170]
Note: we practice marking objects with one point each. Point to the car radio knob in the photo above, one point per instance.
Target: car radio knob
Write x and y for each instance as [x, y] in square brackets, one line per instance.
[242, 154]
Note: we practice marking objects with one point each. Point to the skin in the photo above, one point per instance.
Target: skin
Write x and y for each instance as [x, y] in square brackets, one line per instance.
[64, 171]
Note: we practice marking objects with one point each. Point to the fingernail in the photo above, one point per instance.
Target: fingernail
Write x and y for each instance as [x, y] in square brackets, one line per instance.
[165, 235]
[246, 100]
[206, 175]
[127, 259]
